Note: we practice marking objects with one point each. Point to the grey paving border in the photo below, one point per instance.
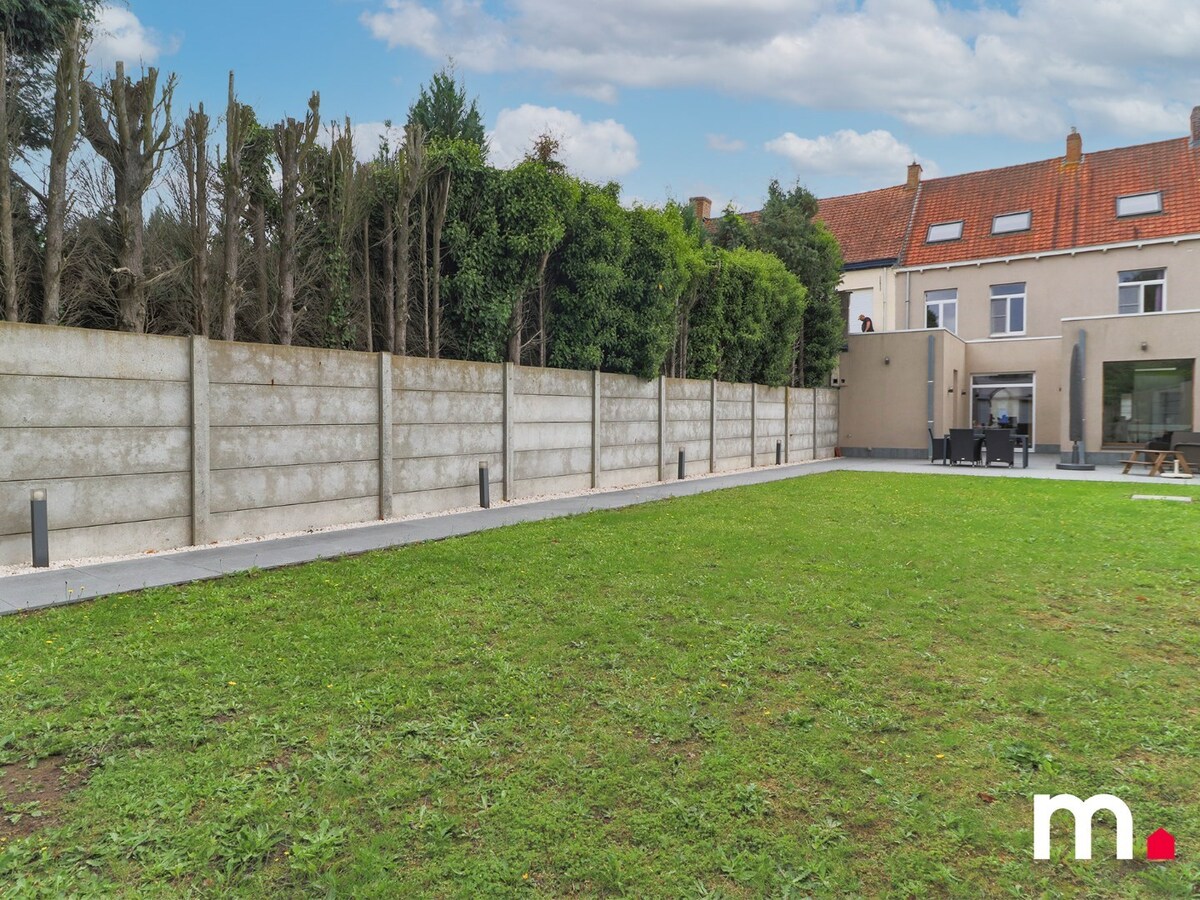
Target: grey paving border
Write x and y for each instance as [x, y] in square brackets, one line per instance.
[58, 587]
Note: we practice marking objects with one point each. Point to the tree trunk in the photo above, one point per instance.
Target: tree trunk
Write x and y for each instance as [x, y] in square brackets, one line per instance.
[262, 282]
[8, 251]
[439, 221]
[403, 263]
[390, 327]
[425, 264]
[66, 129]
[293, 141]
[366, 280]
[235, 205]
[195, 160]
[542, 310]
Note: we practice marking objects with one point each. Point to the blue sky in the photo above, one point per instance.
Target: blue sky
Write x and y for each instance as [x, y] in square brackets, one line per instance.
[680, 97]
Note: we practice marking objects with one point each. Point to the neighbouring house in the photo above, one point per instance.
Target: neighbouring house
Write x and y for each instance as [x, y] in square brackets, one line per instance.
[980, 286]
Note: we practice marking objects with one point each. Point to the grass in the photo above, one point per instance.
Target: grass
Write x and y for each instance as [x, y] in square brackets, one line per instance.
[845, 684]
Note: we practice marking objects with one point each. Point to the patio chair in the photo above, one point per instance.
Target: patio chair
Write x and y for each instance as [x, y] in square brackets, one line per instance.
[938, 449]
[999, 445]
[964, 447]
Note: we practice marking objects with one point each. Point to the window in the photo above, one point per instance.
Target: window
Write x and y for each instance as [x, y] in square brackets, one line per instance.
[1008, 308]
[941, 309]
[1139, 204]
[1010, 222]
[944, 231]
[1142, 291]
[1145, 399]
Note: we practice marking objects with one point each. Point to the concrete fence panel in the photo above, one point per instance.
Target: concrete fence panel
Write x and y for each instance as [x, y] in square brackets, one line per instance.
[447, 418]
[735, 417]
[101, 421]
[628, 430]
[294, 439]
[689, 425]
[151, 443]
[551, 431]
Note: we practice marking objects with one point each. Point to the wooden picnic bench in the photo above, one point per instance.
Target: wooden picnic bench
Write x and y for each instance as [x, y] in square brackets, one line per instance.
[1156, 459]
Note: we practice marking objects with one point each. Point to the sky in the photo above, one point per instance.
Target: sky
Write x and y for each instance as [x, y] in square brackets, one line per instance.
[678, 98]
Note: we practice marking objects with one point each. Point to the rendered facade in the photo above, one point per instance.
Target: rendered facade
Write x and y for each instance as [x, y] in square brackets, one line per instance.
[980, 285]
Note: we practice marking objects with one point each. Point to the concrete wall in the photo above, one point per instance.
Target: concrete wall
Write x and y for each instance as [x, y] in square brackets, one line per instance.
[150, 443]
[103, 421]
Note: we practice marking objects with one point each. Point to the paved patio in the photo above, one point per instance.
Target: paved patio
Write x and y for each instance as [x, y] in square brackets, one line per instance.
[57, 587]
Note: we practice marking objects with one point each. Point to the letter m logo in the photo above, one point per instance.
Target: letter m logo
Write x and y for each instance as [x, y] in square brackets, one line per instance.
[1045, 806]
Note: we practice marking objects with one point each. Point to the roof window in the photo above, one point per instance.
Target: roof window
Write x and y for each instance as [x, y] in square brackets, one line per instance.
[1010, 222]
[1139, 204]
[944, 231]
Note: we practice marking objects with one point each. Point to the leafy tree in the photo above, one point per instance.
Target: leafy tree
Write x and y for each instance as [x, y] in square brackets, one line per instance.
[806, 247]
[588, 272]
[733, 230]
[442, 110]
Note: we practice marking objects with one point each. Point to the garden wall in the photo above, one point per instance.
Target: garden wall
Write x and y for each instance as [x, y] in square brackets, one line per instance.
[150, 443]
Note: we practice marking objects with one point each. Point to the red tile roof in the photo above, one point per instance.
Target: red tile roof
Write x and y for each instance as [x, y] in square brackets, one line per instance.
[869, 226]
[1072, 205]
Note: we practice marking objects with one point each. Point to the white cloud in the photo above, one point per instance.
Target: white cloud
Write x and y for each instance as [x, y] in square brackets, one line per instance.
[595, 150]
[723, 144]
[1028, 71]
[121, 36]
[876, 156]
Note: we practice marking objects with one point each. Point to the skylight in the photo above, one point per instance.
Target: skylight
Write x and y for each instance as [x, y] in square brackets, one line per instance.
[1139, 204]
[944, 231]
[1009, 222]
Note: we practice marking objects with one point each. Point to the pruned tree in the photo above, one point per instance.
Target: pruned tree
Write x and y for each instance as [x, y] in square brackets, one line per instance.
[413, 170]
[263, 202]
[193, 153]
[128, 124]
[294, 141]
[8, 248]
[237, 128]
[68, 78]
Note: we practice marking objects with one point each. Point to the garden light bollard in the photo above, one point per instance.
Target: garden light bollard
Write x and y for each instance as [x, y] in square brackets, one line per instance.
[39, 527]
[485, 494]
[779, 453]
[682, 466]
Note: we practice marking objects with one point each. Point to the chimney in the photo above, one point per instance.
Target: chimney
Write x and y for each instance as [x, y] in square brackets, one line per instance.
[914, 175]
[1074, 148]
[1195, 126]
[702, 207]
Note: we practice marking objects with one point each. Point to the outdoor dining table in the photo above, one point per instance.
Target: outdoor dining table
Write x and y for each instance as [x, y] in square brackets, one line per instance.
[1022, 441]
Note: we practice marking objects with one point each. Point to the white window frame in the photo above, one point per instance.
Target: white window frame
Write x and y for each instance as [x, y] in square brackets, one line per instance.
[1141, 285]
[940, 303]
[955, 226]
[1137, 202]
[1009, 298]
[1012, 223]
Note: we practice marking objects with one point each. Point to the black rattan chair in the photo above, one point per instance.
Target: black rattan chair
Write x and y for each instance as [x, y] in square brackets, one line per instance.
[938, 448]
[964, 447]
[999, 445]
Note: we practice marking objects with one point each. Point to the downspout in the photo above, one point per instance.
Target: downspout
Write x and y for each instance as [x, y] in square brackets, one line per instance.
[907, 297]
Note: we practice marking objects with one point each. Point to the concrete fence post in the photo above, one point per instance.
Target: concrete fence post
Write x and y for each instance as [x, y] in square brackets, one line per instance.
[595, 428]
[506, 424]
[787, 424]
[813, 394]
[712, 427]
[386, 451]
[662, 427]
[200, 440]
[753, 423]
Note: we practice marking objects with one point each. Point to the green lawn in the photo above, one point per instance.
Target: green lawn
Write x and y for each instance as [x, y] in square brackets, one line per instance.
[838, 685]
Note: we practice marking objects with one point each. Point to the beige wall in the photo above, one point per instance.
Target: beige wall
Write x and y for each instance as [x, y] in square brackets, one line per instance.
[1042, 357]
[882, 284]
[1115, 338]
[1057, 287]
[884, 404]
